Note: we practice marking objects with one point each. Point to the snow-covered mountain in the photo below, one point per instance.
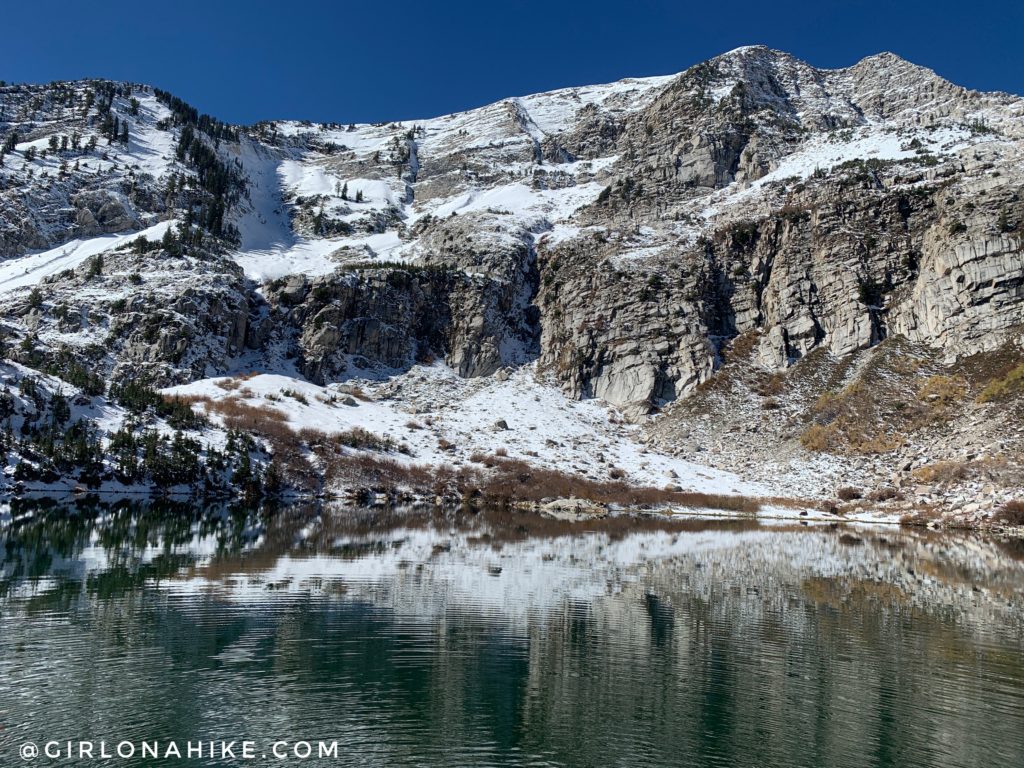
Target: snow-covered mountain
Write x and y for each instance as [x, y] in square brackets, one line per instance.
[631, 283]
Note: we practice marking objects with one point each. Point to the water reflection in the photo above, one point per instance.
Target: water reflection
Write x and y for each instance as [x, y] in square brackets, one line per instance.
[420, 638]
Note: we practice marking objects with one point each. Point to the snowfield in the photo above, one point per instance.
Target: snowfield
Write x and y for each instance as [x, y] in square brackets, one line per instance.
[30, 270]
[431, 404]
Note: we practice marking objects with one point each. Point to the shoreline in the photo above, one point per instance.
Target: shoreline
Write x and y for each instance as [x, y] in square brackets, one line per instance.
[566, 509]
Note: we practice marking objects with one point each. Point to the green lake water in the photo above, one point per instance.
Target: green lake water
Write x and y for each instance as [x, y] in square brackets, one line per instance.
[426, 639]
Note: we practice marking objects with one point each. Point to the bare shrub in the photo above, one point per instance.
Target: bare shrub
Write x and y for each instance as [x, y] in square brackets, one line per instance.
[943, 472]
[295, 395]
[373, 472]
[816, 438]
[313, 437]
[514, 480]
[849, 493]
[845, 435]
[773, 385]
[364, 440]
[743, 345]
[190, 400]
[1011, 513]
[358, 393]
[245, 415]
[884, 494]
[1004, 387]
[942, 390]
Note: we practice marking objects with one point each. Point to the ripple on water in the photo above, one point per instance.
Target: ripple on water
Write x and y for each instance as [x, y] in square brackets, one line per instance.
[414, 643]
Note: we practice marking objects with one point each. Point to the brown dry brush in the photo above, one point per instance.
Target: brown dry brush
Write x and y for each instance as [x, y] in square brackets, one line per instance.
[312, 460]
[504, 482]
[1011, 513]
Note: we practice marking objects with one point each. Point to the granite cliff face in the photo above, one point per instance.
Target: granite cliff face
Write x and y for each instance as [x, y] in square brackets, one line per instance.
[821, 209]
[621, 240]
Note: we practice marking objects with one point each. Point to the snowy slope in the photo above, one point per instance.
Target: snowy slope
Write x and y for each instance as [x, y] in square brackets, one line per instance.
[31, 269]
[500, 136]
[429, 404]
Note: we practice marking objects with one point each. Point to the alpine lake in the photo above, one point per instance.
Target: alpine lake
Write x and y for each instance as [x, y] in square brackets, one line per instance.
[431, 638]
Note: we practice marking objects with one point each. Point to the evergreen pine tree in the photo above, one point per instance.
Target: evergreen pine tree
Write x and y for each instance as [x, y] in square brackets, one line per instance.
[10, 142]
[96, 266]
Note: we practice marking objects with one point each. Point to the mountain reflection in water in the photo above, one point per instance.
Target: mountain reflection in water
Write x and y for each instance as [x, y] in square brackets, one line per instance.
[419, 638]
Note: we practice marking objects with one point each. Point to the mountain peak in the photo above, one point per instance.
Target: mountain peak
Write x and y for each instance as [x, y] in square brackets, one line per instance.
[891, 63]
[753, 56]
[758, 49]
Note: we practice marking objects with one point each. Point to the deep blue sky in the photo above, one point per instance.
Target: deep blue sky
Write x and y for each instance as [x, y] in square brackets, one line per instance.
[391, 59]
